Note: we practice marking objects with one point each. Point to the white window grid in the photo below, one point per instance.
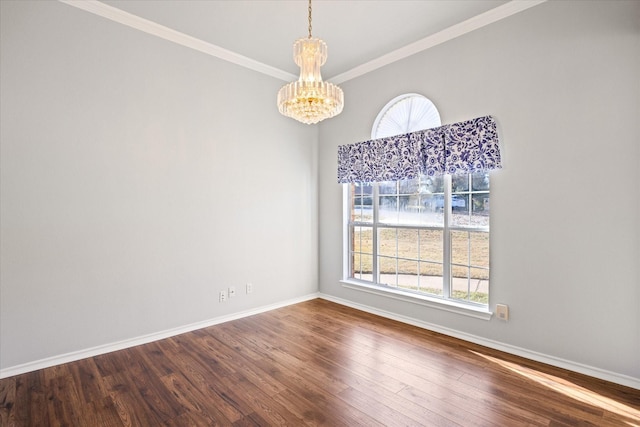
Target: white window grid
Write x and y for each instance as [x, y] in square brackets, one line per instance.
[446, 229]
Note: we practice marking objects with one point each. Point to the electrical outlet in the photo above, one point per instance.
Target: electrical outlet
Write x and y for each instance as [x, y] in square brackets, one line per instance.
[249, 288]
[223, 296]
[502, 310]
[232, 291]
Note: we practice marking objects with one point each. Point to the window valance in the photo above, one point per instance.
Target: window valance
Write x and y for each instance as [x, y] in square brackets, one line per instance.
[463, 147]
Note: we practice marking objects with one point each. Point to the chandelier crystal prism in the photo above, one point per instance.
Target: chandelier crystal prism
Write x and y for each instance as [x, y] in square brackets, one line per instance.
[309, 99]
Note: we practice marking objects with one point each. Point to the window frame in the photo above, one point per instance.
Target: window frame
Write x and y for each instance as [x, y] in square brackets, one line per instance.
[444, 302]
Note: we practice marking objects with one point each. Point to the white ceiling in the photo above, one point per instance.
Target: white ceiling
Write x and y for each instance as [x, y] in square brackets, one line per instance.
[356, 32]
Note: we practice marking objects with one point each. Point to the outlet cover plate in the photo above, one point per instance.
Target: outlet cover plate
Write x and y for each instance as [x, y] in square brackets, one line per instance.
[502, 311]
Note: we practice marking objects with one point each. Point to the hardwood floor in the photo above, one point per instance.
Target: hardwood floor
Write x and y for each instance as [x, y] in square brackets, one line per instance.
[314, 363]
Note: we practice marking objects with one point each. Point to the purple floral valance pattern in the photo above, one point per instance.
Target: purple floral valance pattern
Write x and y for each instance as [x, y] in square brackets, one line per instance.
[464, 147]
[432, 153]
[384, 159]
[472, 146]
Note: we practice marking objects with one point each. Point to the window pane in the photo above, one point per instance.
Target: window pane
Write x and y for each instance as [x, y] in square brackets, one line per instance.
[460, 247]
[460, 209]
[390, 187]
[478, 275]
[431, 184]
[408, 244]
[406, 210]
[460, 294]
[388, 210]
[431, 278]
[367, 209]
[432, 210]
[362, 240]
[388, 272]
[479, 285]
[408, 186]
[366, 270]
[470, 288]
[415, 204]
[431, 245]
[387, 265]
[480, 210]
[480, 181]
[366, 203]
[355, 239]
[459, 183]
[431, 269]
[460, 272]
[460, 285]
[362, 209]
[407, 267]
[362, 266]
[409, 210]
[460, 203]
[360, 202]
[408, 274]
[479, 297]
[387, 242]
[432, 202]
[479, 249]
[356, 209]
[355, 265]
[367, 188]
[421, 209]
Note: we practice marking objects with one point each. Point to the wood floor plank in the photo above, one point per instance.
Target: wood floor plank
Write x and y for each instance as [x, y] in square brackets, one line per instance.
[523, 392]
[155, 357]
[218, 401]
[380, 411]
[86, 374]
[356, 362]
[330, 411]
[313, 363]
[7, 401]
[63, 400]
[251, 420]
[269, 409]
[416, 411]
[196, 404]
[133, 411]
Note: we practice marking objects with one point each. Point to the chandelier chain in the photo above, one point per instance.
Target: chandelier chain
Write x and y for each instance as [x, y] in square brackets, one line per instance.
[309, 99]
[309, 18]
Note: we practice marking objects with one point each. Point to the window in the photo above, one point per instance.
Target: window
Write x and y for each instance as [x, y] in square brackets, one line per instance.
[426, 237]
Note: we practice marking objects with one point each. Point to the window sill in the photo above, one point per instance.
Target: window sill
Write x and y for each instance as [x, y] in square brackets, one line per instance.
[437, 303]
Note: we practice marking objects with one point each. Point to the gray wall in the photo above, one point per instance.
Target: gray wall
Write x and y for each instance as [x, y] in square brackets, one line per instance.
[562, 81]
[139, 178]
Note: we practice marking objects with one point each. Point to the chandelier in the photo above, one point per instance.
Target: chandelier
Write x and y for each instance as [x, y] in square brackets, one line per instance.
[310, 100]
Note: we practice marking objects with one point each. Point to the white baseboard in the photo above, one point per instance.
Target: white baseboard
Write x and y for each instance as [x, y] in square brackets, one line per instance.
[507, 348]
[120, 345]
[496, 345]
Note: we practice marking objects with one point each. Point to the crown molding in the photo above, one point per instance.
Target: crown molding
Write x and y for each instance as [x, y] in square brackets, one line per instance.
[125, 18]
[457, 30]
[166, 33]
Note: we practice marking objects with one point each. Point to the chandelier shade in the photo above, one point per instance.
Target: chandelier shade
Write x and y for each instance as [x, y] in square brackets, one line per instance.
[309, 99]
